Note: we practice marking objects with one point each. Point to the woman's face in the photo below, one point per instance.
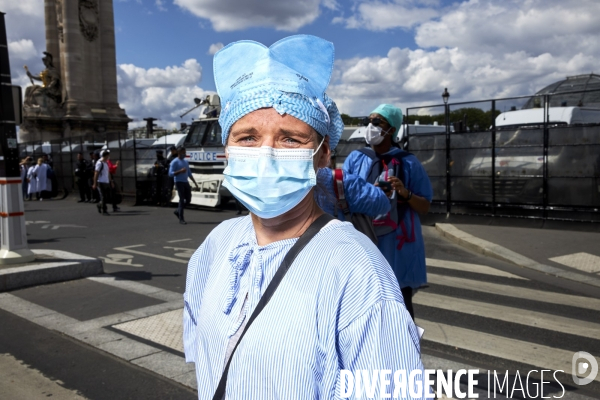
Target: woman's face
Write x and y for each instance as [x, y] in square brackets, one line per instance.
[266, 127]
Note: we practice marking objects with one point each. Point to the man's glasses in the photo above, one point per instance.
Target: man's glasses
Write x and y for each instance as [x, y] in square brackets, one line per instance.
[375, 121]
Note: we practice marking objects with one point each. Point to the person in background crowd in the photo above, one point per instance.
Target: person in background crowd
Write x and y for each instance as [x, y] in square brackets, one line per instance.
[159, 176]
[171, 182]
[31, 182]
[24, 167]
[180, 171]
[47, 160]
[398, 231]
[114, 189]
[43, 183]
[94, 156]
[82, 168]
[103, 180]
[338, 307]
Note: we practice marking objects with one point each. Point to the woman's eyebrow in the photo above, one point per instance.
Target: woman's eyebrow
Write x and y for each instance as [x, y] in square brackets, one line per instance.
[242, 131]
[293, 132]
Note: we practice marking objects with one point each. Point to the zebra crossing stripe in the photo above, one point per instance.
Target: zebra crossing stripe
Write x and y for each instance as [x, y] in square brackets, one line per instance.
[533, 354]
[518, 292]
[532, 319]
[460, 266]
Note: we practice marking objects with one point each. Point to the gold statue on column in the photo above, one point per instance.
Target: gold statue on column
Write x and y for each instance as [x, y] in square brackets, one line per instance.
[35, 95]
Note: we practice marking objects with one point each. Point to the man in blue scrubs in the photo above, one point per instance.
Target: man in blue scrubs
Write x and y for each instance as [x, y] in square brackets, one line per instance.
[399, 231]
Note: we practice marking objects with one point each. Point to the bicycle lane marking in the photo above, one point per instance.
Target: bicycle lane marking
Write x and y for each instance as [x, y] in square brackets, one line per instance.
[128, 249]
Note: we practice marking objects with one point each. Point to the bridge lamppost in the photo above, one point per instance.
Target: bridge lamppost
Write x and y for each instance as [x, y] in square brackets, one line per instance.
[445, 97]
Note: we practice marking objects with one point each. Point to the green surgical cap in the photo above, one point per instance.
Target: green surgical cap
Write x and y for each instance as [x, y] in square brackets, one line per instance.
[392, 114]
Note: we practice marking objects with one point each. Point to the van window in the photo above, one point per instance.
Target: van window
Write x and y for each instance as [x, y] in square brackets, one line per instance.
[194, 137]
[213, 136]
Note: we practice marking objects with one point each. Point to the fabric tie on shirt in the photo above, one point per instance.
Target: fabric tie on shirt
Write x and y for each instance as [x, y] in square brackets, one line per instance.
[239, 259]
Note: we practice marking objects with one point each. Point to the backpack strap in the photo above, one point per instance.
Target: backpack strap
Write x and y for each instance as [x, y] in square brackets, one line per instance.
[338, 187]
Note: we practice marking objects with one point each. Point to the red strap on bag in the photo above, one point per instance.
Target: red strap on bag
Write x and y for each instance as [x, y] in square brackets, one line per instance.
[338, 187]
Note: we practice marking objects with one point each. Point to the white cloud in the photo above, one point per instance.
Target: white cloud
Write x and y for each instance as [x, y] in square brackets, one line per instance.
[416, 77]
[160, 93]
[534, 26]
[26, 36]
[160, 5]
[381, 15]
[21, 50]
[480, 49]
[214, 48]
[232, 15]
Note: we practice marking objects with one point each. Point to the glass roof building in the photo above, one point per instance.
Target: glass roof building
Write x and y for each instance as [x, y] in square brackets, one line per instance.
[588, 85]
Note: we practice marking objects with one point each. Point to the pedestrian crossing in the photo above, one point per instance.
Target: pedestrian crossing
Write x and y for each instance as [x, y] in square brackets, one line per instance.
[496, 345]
[467, 307]
[502, 345]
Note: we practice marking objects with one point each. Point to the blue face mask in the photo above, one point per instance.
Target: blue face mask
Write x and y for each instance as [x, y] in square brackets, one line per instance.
[268, 181]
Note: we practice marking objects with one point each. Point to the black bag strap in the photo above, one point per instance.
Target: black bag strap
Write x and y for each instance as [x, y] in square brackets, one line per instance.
[306, 237]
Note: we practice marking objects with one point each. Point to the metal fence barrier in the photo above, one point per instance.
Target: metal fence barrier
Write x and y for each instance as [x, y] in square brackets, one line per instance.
[135, 159]
[541, 169]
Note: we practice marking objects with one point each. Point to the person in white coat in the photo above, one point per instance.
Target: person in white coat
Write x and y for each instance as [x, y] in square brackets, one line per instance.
[41, 174]
[32, 182]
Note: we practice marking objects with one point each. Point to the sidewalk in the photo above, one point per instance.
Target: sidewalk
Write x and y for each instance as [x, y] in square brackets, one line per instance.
[569, 254]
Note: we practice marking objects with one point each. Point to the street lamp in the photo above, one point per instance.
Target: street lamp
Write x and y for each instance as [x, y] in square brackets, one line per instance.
[445, 97]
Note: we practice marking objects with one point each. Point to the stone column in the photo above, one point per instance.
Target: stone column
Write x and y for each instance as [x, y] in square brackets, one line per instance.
[52, 36]
[109, 59]
[72, 55]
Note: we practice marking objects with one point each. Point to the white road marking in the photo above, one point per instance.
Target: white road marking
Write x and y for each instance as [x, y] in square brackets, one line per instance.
[509, 314]
[128, 250]
[57, 226]
[120, 259]
[480, 269]
[183, 252]
[582, 261]
[36, 222]
[497, 346]
[512, 291]
[179, 240]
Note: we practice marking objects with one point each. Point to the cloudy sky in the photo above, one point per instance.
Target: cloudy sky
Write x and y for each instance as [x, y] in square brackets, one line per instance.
[397, 51]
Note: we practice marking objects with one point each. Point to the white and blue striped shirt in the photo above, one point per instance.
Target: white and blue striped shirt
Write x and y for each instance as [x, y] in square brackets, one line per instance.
[338, 307]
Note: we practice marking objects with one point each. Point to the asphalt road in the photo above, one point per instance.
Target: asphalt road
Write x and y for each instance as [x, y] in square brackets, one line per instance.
[148, 245]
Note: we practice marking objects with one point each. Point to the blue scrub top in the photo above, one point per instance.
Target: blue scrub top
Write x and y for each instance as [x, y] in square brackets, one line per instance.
[408, 262]
[338, 307]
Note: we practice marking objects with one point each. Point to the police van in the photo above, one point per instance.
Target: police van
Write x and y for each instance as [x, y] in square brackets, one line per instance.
[206, 155]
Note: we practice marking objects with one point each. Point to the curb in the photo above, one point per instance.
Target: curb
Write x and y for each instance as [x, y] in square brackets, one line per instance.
[49, 266]
[502, 253]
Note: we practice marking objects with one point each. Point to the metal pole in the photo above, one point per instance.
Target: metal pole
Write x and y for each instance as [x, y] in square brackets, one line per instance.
[494, 157]
[448, 185]
[135, 183]
[546, 135]
[406, 131]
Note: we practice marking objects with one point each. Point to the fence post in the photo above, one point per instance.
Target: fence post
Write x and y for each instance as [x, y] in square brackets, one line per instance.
[406, 131]
[135, 183]
[448, 183]
[494, 158]
[546, 134]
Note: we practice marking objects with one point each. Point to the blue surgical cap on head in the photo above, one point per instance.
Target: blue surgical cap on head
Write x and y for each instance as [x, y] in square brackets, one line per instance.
[392, 114]
[291, 76]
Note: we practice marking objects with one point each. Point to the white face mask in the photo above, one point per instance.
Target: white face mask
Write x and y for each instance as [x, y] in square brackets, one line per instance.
[374, 134]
